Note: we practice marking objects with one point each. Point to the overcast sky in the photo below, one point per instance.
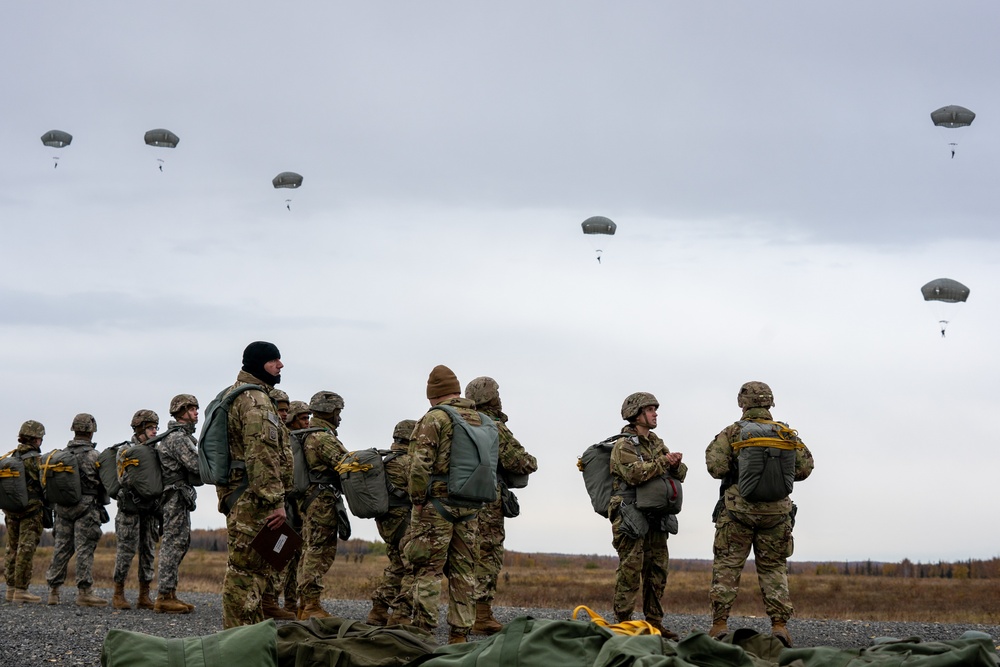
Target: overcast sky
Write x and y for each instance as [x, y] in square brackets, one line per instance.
[780, 193]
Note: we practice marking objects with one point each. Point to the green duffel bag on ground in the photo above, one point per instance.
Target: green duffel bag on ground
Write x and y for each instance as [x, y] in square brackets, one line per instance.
[246, 646]
[340, 642]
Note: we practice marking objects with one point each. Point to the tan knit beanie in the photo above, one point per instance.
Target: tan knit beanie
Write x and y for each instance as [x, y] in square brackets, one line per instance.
[442, 381]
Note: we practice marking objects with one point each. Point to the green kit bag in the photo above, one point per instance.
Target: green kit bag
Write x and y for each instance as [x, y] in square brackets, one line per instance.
[246, 646]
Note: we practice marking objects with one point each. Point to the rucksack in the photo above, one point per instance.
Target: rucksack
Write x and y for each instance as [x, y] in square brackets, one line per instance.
[765, 455]
[107, 468]
[213, 441]
[139, 470]
[301, 479]
[60, 475]
[14, 496]
[362, 476]
[595, 464]
[475, 450]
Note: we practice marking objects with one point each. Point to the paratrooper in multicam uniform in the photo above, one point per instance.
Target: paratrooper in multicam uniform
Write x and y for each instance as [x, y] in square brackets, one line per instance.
[323, 514]
[276, 582]
[255, 493]
[24, 528]
[297, 419]
[742, 524]
[137, 525]
[643, 561]
[178, 453]
[514, 461]
[77, 528]
[395, 588]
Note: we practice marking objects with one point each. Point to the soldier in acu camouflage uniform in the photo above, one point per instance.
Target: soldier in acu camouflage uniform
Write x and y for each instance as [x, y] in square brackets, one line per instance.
[137, 525]
[442, 536]
[297, 419]
[178, 453]
[393, 589]
[78, 527]
[24, 529]
[255, 494]
[269, 601]
[322, 502]
[740, 524]
[636, 457]
[514, 460]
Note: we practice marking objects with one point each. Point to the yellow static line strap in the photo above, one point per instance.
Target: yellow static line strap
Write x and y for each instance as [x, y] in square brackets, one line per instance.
[353, 466]
[623, 628]
[7, 472]
[579, 464]
[767, 442]
[53, 467]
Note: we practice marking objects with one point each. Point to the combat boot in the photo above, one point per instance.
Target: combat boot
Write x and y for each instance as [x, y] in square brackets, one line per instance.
[780, 632]
[719, 629]
[458, 635]
[144, 601]
[173, 594]
[10, 594]
[22, 595]
[118, 601]
[292, 606]
[53, 595]
[84, 598]
[311, 608]
[379, 615]
[269, 605]
[666, 633]
[167, 603]
[485, 623]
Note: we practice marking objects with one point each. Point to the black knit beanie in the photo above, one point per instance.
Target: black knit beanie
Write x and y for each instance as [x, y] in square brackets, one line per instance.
[256, 355]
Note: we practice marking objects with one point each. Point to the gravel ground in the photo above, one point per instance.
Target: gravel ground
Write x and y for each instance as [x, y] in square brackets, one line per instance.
[39, 634]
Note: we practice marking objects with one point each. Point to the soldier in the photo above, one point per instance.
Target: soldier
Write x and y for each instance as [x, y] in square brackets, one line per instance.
[296, 419]
[255, 494]
[748, 516]
[137, 525]
[77, 527]
[390, 592]
[322, 502]
[638, 456]
[443, 530]
[24, 529]
[514, 460]
[269, 601]
[178, 452]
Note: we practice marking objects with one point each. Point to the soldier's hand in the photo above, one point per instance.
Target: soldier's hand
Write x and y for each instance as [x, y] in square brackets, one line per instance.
[674, 459]
[276, 518]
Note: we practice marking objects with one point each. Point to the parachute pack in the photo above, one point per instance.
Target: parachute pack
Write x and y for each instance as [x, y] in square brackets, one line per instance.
[139, 471]
[14, 495]
[595, 464]
[60, 475]
[213, 442]
[765, 455]
[301, 479]
[475, 450]
[362, 476]
[107, 468]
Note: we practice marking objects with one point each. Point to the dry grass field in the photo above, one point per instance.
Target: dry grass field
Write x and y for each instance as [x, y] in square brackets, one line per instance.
[553, 581]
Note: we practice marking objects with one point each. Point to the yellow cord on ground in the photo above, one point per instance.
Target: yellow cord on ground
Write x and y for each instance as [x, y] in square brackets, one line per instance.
[623, 628]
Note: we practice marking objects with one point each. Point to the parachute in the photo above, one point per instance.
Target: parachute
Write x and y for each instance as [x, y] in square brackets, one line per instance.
[599, 226]
[945, 290]
[953, 116]
[287, 179]
[163, 139]
[57, 139]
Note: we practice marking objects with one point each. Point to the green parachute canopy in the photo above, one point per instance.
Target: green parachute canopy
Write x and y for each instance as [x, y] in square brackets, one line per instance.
[946, 290]
[57, 138]
[287, 179]
[598, 224]
[162, 138]
[953, 116]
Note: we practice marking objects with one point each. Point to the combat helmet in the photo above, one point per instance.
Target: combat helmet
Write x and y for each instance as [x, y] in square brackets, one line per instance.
[403, 431]
[181, 401]
[755, 395]
[296, 408]
[84, 423]
[31, 429]
[482, 390]
[326, 401]
[143, 417]
[634, 404]
[278, 396]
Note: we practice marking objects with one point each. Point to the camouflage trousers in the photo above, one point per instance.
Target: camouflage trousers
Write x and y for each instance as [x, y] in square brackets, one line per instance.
[437, 546]
[22, 539]
[319, 545]
[642, 563]
[490, 551]
[247, 574]
[770, 537]
[389, 590]
[80, 536]
[175, 540]
[135, 532]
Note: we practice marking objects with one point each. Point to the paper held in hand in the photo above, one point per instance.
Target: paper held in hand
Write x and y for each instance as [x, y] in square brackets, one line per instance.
[277, 546]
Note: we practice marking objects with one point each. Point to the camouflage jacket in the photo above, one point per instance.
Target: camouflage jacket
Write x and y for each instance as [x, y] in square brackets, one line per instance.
[430, 450]
[720, 459]
[636, 459]
[256, 437]
[397, 469]
[323, 452]
[513, 457]
[30, 456]
[178, 453]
